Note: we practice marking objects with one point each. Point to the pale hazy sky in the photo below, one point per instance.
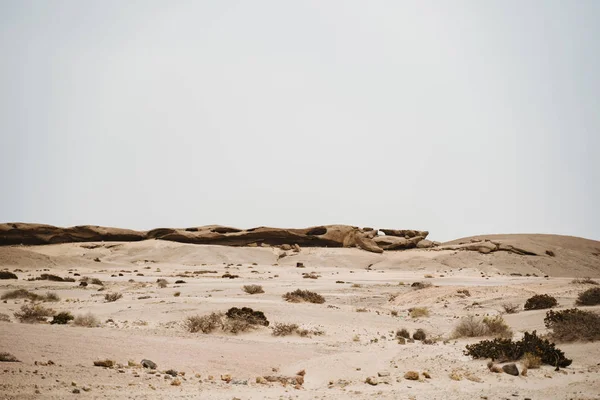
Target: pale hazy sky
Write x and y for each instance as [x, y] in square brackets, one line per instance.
[459, 117]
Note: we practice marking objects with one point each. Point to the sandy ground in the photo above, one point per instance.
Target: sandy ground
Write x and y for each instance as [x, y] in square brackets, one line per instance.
[355, 345]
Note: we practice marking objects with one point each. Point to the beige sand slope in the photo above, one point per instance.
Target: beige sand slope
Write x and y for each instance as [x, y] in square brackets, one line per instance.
[147, 321]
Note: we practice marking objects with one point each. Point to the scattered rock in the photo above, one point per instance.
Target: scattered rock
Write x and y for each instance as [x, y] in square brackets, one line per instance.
[511, 369]
[261, 380]
[148, 364]
[171, 372]
[104, 363]
[371, 380]
[226, 378]
[176, 382]
[383, 373]
[76, 391]
[411, 375]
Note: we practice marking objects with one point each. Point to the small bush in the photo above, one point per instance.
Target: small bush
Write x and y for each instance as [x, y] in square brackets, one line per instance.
[7, 357]
[236, 326]
[21, 294]
[280, 329]
[8, 275]
[470, 326]
[496, 326]
[4, 317]
[162, 283]
[540, 302]
[62, 318]
[573, 324]
[419, 312]
[584, 281]
[420, 285]
[55, 278]
[531, 361]
[110, 297]
[51, 296]
[177, 294]
[96, 281]
[506, 350]
[88, 320]
[32, 313]
[247, 314]
[464, 292]
[419, 334]
[403, 333]
[312, 275]
[590, 297]
[253, 289]
[510, 308]
[204, 323]
[298, 296]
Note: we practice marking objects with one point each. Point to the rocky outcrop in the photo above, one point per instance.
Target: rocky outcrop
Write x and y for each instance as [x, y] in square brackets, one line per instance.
[316, 236]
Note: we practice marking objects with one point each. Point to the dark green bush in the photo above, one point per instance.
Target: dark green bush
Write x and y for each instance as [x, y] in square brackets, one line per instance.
[419, 334]
[590, 297]
[508, 350]
[249, 315]
[62, 318]
[7, 275]
[573, 324]
[540, 302]
[55, 278]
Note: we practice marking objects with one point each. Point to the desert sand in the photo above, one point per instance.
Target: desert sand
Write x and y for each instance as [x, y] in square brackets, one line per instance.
[367, 298]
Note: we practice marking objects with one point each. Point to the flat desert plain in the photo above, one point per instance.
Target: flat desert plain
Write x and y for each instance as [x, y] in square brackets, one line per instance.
[343, 348]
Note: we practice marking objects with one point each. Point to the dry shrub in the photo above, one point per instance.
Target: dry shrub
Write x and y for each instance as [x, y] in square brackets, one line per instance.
[32, 313]
[531, 361]
[420, 285]
[496, 326]
[403, 333]
[471, 326]
[96, 281]
[162, 283]
[236, 326]
[62, 318]
[54, 278]
[4, 317]
[510, 308]
[280, 329]
[361, 309]
[204, 323]
[573, 325]
[311, 275]
[8, 275]
[464, 292]
[21, 294]
[7, 357]
[253, 289]
[110, 297]
[590, 297]
[51, 296]
[540, 302]
[419, 334]
[419, 312]
[428, 276]
[88, 320]
[177, 294]
[299, 296]
[584, 281]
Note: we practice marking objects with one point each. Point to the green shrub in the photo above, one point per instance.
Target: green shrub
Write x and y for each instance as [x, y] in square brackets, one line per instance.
[62, 318]
[507, 350]
[590, 297]
[573, 324]
[540, 302]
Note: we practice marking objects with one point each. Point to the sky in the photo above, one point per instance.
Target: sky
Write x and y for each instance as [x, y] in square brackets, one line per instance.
[457, 117]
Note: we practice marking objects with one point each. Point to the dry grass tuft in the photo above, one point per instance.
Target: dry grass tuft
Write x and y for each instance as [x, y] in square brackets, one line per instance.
[26, 294]
[421, 285]
[403, 333]
[280, 329]
[510, 308]
[419, 312]
[110, 297]
[204, 323]
[531, 361]
[162, 283]
[489, 326]
[32, 313]
[299, 296]
[4, 317]
[253, 289]
[88, 320]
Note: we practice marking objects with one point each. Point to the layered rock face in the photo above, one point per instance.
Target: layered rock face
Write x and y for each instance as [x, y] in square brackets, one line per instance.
[318, 236]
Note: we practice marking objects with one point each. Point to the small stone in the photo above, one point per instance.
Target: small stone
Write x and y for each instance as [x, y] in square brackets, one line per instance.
[371, 380]
[76, 391]
[426, 375]
[73, 383]
[382, 374]
[412, 376]
[511, 369]
[148, 364]
[226, 378]
[261, 380]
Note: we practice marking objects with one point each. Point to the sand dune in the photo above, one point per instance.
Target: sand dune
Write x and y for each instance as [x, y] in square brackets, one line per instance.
[367, 298]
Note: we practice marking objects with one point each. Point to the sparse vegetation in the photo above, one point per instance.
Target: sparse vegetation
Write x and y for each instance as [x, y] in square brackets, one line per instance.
[162, 283]
[204, 323]
[590, 297]
[51, 296]
[403, 333]
[62, 318]
[4, 317]
[247, 314]
[236, 320]
[253, 289]
[280, 329]
[531, 361]
[26, 294]
[540, 302]
[419, 334]
[510, 308]
[55, 278]
[110, 297]
[419, 312]
[420, 285]
[311, 275]
[8, 275]
[176, 294]
[7, 357]
[584, 281]
[361, 309]
[33, 313]
[472, 326]
[506, 350]
[96, 281]
[464, 292]
[573, 325]
[299, 296]
[88, 320]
